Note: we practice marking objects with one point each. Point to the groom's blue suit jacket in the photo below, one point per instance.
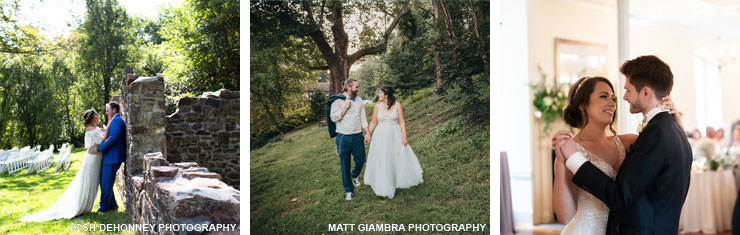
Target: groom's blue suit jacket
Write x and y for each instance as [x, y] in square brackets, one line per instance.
[114, 148]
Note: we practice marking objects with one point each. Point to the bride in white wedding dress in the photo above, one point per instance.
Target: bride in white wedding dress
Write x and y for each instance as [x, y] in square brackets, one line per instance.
[391, 163]
[79, 197]
[591, 109]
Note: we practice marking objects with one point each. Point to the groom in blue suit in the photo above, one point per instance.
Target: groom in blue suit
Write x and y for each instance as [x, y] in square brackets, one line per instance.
[114, 153]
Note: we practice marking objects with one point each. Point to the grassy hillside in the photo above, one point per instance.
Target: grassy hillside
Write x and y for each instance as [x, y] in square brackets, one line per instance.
[22, 194]
[296, 184]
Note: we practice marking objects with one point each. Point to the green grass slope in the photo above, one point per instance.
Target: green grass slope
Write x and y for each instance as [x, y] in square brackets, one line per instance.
[296, 184]
[22, 194]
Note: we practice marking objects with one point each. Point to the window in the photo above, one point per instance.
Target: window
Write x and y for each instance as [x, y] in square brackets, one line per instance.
[708, 86]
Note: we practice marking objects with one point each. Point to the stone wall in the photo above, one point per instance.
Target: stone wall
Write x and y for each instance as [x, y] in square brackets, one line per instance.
[205, 130]
[153, 190]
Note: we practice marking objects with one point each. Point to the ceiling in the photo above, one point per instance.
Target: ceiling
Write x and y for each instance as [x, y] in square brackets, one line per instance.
[706, 16]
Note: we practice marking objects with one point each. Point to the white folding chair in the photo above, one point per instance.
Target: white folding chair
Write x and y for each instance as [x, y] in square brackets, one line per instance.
[18, 161]
[63, 162]
[3, 159]
[10, 156]
[67, 160]
[41, 161]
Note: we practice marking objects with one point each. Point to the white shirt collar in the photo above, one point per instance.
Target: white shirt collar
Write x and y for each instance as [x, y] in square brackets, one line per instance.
[652, 113]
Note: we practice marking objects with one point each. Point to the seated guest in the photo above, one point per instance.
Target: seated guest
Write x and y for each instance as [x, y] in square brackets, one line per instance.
[710, 132]
[718, 135]
[733, 149]
[735, 137]
[694, 137]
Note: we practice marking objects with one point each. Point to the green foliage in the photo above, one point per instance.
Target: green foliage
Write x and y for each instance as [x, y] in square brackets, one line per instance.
[409, 65]
[171, 102]
[104, 45]
[550, 101]
[45, 86]
[462, 54]
[205, 34]
[31, 100]
[152, 33]
[26, 194]
[369, 76]
[17, 38]
[318, 105]
[279, 69]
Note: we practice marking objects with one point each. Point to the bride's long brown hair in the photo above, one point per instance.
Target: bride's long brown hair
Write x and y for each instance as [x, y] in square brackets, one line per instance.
[88, 116]
[391, 98]
[580, 94]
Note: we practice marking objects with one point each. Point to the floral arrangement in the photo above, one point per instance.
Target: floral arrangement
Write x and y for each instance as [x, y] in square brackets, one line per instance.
[725, 163]
[549, 101]
[708, 157]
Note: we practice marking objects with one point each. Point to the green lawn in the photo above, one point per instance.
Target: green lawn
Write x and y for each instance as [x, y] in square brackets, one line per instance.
[296, 184]
[22, 194]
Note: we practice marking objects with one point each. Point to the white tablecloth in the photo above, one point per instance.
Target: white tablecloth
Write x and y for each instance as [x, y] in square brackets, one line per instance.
[709, 203]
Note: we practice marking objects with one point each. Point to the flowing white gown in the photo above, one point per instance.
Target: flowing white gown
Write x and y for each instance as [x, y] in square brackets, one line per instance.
[591, 213]
[79, 198]
[390, 165]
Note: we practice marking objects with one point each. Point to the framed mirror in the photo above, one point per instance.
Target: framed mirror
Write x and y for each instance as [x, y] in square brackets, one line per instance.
[576, 59]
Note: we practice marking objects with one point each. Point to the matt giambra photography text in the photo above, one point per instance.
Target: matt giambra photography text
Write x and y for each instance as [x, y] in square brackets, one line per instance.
[154, 227]
[407, 227]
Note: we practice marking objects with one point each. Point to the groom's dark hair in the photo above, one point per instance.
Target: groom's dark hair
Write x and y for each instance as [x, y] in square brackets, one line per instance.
[114, 105]
[649, 71]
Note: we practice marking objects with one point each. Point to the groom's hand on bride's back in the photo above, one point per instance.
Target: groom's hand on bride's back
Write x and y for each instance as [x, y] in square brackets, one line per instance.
[92, 150]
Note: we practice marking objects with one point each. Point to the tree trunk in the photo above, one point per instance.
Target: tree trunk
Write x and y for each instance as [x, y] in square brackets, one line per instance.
[448, 19]
[337, 79]
[477, 33]
[106, 93]
[338, 61]
[438, 69]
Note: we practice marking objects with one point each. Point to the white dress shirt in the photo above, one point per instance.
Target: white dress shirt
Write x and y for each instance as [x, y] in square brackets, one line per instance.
[354, 119]
[577, 159]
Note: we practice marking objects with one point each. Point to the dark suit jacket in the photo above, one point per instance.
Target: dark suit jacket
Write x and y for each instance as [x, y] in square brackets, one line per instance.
[329, 123]
[651, 184]
[114, 148]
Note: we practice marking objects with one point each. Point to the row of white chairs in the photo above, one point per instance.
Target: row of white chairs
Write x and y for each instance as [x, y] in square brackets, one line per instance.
[14, 160]
[19, 159]
[42, 161]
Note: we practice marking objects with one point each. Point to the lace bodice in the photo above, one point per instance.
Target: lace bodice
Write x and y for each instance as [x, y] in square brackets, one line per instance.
[386, 116]
[592, 214]
[93, 137]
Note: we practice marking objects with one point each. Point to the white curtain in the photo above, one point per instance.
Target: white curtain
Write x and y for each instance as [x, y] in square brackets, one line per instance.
[708, 85]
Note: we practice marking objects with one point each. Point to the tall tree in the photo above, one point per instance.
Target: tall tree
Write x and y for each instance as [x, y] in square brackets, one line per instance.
[463, 55]
[207, 33]
[17, 38]
[303, 18]
[102, 48]
[29, 107]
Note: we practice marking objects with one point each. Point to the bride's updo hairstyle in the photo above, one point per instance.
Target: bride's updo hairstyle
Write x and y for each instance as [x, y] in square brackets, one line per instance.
[389, 92]
[88, 116]
[580, 95]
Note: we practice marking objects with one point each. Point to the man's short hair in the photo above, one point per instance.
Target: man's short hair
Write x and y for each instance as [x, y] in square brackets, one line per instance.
[114, 105]
[349, 82]
[651, 72]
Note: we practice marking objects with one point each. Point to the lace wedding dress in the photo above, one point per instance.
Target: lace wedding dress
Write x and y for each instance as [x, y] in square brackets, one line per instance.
[79, 198]
[592, 214]
[390, 165]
